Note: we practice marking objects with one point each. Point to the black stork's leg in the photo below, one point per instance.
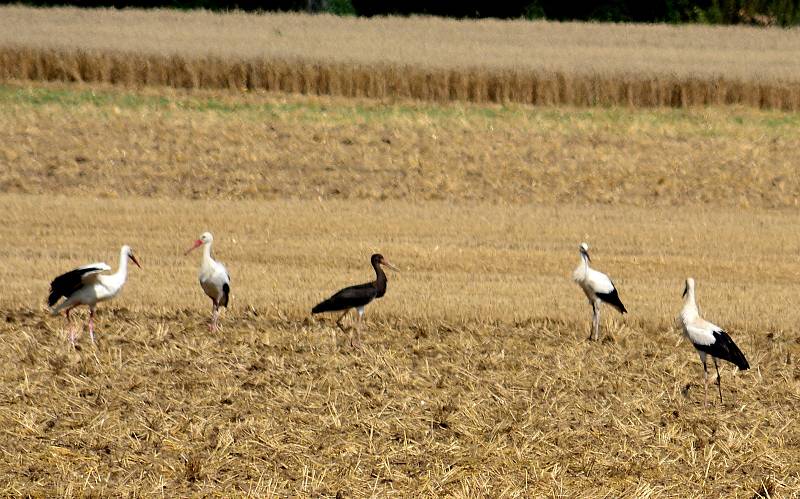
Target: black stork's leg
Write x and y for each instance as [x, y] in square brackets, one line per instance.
[719, 380]
[341, 318]
[355, 340]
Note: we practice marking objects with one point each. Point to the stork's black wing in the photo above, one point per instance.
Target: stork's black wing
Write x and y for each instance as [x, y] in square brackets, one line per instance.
[226, 292]
[724, 348]
[66, 284]
[612, 299]
[354, 296]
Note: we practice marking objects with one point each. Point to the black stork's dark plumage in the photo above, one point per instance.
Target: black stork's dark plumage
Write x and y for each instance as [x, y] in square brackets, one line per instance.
[358, 296]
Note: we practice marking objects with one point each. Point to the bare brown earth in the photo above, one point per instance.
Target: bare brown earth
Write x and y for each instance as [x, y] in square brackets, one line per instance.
[475, 377]
[542, 63]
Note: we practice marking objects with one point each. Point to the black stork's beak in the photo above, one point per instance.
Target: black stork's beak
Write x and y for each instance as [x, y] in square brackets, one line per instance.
[133, 259]
[587, 254]
[385, 262]
[685, 290]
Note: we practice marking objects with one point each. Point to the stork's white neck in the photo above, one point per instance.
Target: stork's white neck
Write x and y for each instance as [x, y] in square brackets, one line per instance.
[117, 279]
[122, 271]
[207, 263]
[207, 253]
[585, 261]
[689, 304]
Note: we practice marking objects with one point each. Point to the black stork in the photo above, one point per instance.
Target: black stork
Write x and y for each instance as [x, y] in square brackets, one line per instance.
[357, 296]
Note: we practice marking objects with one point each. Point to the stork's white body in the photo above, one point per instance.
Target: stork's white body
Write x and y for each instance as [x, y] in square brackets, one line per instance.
[592, 281]
[696, 329]
[95, 287]
[597, 287]
[213, 276]
[708, 339]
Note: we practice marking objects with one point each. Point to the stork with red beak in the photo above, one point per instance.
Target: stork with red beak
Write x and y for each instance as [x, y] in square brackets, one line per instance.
[87, 285]
[357, 297]
[214, 278]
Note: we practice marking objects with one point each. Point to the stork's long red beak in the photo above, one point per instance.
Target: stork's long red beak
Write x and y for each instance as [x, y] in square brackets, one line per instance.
[384, 262]
[196, 244]
[134, 260]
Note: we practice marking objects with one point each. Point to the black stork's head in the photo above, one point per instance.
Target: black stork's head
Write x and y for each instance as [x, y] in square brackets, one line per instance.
[378, 259]
[585, 251]
[205, 238]
[129, 253]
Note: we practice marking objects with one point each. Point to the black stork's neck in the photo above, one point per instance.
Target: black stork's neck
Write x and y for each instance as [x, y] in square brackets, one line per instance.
[380, 279]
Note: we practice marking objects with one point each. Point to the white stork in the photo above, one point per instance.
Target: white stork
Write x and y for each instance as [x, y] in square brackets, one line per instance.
[88, 285]
[214, 278]
[708, 339]
[598, 288]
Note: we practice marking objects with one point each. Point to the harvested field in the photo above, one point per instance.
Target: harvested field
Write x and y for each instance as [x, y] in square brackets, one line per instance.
[475, 377]
[260, 146]
[540, 63]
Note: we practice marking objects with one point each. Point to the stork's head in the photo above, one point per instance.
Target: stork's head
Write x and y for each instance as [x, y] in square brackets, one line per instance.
[128, 252]
[585, 250]
[688, 287]
[378, 259]
[205, 238]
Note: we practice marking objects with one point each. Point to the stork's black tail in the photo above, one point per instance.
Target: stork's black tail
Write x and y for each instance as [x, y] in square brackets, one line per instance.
[324, 306]
[66, 284]
[226, 291]
[612, 299]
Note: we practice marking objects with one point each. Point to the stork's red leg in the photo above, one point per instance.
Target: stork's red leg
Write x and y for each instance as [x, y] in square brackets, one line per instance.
[339, 321]
[70, 327]
[355, 340]
[91, 324]
[214, 314]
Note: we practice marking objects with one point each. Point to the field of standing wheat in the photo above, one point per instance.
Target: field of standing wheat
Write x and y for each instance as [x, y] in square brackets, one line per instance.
[541, 63]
